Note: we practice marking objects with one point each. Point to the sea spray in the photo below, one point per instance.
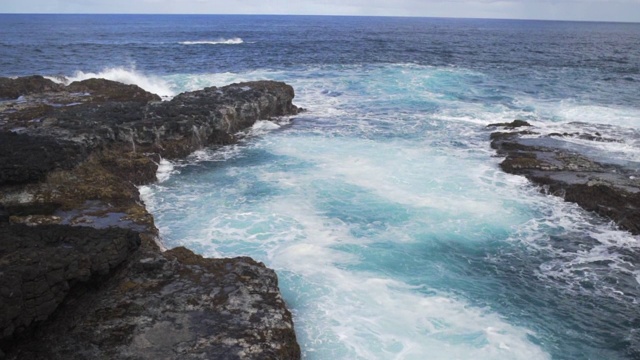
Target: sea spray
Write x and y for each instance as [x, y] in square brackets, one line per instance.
[150, 83]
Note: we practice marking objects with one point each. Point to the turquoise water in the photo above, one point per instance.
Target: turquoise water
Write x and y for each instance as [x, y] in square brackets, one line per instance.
[393, 231]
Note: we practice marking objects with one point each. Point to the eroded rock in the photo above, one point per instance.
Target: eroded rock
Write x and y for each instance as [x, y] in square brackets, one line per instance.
[97, 285]
[175, 305]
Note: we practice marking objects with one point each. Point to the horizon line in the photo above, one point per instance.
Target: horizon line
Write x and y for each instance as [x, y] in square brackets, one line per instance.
[328, 15]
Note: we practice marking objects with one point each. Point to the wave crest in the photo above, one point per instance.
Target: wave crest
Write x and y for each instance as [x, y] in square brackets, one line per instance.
[149, 83]
[232, 41]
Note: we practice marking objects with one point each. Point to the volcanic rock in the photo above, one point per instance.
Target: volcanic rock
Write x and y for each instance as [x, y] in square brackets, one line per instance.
[577, 173]
[82, 273]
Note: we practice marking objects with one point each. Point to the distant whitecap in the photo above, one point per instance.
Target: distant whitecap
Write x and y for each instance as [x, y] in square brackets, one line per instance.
[232, 41]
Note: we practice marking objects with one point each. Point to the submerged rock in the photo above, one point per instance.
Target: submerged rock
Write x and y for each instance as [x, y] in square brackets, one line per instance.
[575, 172]
[81, 272]
[512, 125]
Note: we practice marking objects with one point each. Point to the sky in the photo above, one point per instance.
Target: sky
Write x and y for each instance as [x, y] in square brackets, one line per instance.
[596, 10]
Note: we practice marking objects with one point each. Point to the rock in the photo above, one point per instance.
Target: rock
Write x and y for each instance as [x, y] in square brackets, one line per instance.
[4, 214]
[605, 186]
[82, 273]
[111, 113]
[40, 265]
[14, 88]
[175, 305]
[107, 90]
[610, 201]
[512, 125]
[210, 116]
[26, 159]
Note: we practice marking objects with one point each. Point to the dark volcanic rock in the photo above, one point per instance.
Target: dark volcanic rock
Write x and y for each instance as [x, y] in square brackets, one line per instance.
[608, 187]
[211, 116]
[113, 113]
[14, 88]
[73, 156]
[107, 90]
[621, 206]
[175, 305]
[40, 265]
[25, 159]
[512, 125]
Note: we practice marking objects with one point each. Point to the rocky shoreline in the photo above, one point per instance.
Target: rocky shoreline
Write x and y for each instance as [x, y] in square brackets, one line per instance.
[81, 272]
[599, 183]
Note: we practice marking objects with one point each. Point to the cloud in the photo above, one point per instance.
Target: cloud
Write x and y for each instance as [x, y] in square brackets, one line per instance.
[614, 10]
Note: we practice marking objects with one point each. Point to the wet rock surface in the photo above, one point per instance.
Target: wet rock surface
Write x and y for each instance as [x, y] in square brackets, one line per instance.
[81, 272]
[574, 171]
[173, 305]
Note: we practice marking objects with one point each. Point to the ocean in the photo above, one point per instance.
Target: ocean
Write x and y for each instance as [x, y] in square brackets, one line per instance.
[382, 208]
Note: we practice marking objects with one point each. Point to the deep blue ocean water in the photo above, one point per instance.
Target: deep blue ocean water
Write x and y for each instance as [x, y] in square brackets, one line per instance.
[382, 209]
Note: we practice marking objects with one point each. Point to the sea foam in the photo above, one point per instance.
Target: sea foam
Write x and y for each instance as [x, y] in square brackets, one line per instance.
[387, 218]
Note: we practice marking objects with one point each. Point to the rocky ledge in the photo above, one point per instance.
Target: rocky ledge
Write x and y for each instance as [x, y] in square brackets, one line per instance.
[574, 170]
[82, 274]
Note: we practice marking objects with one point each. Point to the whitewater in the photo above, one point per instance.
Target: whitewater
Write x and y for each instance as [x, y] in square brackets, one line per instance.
[382, 209]
[394, 233]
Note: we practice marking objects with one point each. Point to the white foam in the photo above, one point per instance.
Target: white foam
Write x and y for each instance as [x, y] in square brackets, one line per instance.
[232, 41]
[354, 314]
[621, 142]
[165, 170]
[595, 260]
[149, 83]
[399, 174]
[262, 127]
[452, 192]
[191, 82]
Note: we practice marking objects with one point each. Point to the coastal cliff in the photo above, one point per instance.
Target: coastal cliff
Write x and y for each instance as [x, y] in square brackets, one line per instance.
[82, 273]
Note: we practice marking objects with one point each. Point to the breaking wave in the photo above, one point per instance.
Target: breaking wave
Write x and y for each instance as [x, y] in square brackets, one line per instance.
[149, 83]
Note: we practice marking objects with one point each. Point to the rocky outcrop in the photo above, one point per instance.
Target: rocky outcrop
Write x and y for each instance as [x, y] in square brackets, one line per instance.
[81, 273]
[172, 305]
[14, 88]
[107, 113]
[41, 264]
[573, 171]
